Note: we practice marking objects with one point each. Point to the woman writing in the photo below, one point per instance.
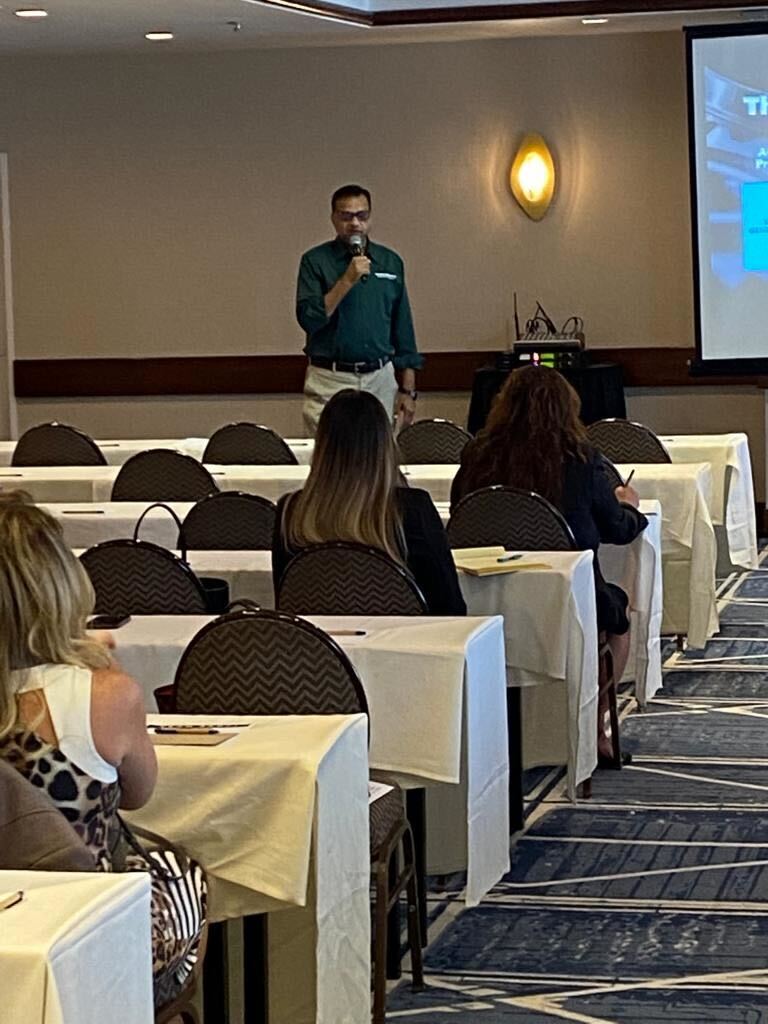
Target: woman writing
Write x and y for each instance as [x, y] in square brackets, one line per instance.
[355, 492]
[535, 440]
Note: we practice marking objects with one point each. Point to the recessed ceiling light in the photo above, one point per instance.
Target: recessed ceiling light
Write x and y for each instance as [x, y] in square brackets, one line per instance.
[31, 12]
[158, 37]
[593, 21]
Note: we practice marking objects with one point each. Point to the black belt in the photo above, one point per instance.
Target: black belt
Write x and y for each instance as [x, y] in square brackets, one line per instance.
[331, 364]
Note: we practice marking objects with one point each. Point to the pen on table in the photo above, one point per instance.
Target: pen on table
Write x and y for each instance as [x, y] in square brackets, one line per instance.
[346, 632]
[12, 898]
[628, 481]
[509, 558]
[162, 730]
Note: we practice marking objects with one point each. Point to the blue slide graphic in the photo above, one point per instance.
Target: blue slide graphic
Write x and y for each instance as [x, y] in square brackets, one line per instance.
[754, 219]
[734, 144]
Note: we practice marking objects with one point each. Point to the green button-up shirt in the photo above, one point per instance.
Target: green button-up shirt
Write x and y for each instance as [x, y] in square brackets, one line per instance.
[372, 321]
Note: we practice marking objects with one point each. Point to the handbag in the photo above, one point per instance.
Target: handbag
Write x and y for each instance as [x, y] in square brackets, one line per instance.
[215, 589]
[179, 904]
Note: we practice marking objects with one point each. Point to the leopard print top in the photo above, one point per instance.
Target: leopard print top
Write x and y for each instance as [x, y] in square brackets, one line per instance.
[88, 805]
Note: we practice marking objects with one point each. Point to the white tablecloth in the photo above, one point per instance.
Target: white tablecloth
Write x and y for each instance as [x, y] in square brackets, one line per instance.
[550, 630]
[57, 484]
[441, 678]
[689, 551]
[89, 523]
[733, 496]
[77, 949]
[116, 452]
[60, 484]
[636, 567]
[278, 816]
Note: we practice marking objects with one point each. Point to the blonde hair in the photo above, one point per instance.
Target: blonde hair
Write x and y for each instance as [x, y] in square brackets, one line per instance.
[350, 491]
[45, 600]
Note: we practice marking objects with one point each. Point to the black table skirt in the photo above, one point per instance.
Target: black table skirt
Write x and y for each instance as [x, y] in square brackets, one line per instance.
[600, 387]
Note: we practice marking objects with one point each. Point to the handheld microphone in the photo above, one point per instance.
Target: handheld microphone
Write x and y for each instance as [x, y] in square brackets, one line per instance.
[357, 245]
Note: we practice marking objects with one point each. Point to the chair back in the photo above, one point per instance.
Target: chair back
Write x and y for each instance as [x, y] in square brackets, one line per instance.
[338, 578]
[56, 444]
[432, 441]
[231, 521]
[266, 663]
[509, 517]
[625, 441]
[248, 444]
[162, 475]
[133, 577]
[34, 834]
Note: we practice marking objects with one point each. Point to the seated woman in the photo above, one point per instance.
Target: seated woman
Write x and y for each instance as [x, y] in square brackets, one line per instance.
[535, 440]
[355, 492]
[70, 721]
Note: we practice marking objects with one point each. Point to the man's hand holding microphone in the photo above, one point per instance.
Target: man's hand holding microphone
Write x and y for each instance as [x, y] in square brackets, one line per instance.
[358, 270]
[359, 266]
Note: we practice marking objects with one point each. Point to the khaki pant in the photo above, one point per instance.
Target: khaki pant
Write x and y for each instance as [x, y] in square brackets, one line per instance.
[320, 385]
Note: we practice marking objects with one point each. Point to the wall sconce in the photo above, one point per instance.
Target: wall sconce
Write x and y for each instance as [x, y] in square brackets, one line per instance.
[532, 176]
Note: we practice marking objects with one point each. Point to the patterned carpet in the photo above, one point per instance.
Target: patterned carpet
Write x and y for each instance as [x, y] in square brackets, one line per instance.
[650, 902]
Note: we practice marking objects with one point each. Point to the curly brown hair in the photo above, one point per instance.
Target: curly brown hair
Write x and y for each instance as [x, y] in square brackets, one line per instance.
[532, 430]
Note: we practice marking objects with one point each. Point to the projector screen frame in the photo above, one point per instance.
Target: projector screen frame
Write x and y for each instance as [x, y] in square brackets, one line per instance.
[699, 366]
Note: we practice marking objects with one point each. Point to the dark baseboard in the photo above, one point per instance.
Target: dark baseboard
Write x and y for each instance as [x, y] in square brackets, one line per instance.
[280, 374]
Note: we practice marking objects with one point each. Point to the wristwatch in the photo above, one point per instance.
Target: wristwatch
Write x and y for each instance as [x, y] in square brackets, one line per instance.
[411, 394]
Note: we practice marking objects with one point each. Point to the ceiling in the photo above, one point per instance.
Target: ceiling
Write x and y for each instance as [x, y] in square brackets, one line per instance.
[118, 26]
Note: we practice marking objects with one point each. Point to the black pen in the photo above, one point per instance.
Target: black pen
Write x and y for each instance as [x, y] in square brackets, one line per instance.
[162, 730]
[11, 899]
[629, 479]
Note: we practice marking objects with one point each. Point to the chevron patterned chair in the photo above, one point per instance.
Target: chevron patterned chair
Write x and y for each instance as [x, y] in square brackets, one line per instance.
[140, 578]
[56, 444]
[625, 441]
[511, 517]
[340, 578]
[268, 663]
[432, 441]
[162, 475]
[248, 444]
[231, 521]
[526, 521]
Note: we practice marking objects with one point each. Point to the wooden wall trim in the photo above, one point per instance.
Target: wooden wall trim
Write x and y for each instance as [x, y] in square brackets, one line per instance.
[276, 374]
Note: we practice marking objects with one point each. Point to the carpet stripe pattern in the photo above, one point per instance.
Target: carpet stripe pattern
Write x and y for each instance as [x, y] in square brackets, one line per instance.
[648, 903]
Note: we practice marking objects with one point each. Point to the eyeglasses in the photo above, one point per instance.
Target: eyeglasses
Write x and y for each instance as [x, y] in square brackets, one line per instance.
[350, 215]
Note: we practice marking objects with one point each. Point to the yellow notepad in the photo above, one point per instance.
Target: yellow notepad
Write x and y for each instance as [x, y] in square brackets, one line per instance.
[190, 739]
[492, 567]
[462, 554]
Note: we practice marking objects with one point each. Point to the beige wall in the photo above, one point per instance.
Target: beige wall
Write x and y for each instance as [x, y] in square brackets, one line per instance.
[160, 203]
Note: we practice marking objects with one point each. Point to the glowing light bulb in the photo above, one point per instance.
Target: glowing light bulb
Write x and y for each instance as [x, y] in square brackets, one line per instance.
[532, 176]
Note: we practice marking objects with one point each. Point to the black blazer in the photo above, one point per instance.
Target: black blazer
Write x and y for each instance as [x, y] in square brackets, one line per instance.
[429, 557]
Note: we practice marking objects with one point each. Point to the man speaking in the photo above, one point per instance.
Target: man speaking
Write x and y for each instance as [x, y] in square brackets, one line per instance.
[352, 303]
